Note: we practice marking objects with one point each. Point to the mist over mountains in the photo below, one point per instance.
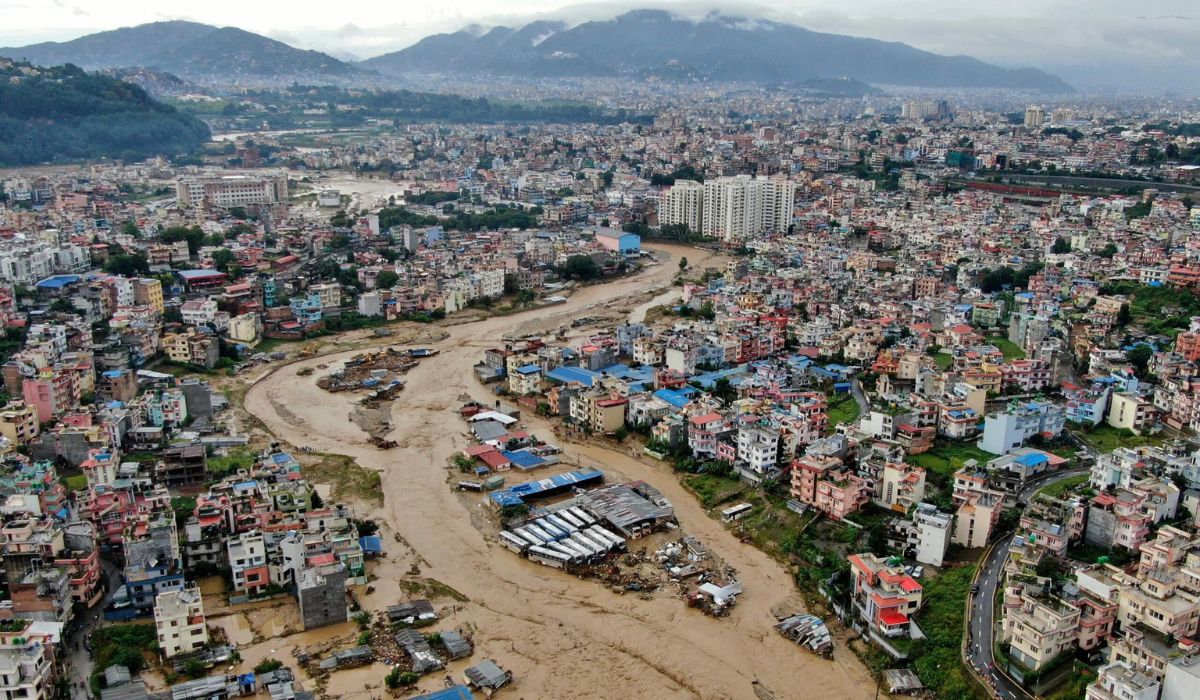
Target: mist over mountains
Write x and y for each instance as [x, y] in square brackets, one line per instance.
[637, 45]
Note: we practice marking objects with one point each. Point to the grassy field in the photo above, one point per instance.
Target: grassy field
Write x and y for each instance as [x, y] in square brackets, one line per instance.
[938, 658]
[947, 457]
[346, 477]
[1010, 349]
[943, 360]
[1106, 438]
[713, 490]
[842, 409]
[1066, 485]
[75, 482]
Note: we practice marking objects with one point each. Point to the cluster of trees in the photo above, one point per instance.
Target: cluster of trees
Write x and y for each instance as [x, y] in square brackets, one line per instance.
[65, 113]
[678, 233]
[432, 197]
[405, 106]
[500, 217]
[1158, 310]
[1005, 276]
[686, 172]
[580, 267]
[1073, 134]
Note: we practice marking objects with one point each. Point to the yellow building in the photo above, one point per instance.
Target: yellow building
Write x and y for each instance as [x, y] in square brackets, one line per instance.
[175, 347]
[1132, 412]
[148, 292]
[19, 422]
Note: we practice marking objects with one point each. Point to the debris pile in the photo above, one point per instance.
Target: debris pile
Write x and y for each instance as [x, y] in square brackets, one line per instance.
[370, 370]
[807, 631]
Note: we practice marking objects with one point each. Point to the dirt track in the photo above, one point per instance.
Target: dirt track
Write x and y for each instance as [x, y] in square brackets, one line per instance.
[561, 637]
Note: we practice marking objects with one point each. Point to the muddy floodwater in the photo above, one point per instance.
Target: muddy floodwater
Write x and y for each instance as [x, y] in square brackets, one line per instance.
[562, 637]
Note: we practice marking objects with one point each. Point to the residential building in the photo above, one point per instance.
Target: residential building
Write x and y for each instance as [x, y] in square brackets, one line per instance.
[933, 533]
[1040, 630]
[179, 621]
[1131, 412]
[1116, 681]
[1011, 428]
[682, 204]
[883, 596]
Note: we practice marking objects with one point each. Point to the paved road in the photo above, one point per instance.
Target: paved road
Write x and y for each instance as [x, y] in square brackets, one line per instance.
[980, 606]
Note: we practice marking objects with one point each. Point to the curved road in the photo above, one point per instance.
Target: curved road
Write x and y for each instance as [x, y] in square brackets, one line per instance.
[981, 606]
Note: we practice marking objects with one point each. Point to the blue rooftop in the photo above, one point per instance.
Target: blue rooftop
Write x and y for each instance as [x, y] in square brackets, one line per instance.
[676, 397]
[523, 460]
[457, 692]
[529, 369]
[567, 375]
[516, 495]
[708, 379]
[1032, 459]
[371, 544]
[58, 281]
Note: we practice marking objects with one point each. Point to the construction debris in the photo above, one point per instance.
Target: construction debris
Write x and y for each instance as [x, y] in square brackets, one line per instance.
[371, 370]
[807, 631]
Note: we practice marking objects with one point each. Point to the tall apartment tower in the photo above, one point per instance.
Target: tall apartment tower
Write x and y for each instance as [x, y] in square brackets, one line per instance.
[683, 203]
[1035, 116]
[736, 208]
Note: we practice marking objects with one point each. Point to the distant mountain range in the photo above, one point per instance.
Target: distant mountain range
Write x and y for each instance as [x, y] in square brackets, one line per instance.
[641, 45]
[716, 48]
[198, 53]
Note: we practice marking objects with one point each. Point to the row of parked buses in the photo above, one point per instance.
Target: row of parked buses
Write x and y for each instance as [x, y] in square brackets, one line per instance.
[566, 537]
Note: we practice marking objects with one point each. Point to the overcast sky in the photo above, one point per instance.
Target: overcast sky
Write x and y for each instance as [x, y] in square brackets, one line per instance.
[1092, 43]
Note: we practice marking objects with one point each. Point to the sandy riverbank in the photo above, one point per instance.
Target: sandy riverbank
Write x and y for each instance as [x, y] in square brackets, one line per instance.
[562, 637]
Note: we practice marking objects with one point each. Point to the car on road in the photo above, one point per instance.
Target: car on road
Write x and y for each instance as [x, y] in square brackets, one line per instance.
[975, 589]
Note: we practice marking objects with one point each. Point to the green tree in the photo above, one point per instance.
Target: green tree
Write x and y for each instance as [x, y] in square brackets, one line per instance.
[1139, 357]
[581, 267]
[387, 279]
[130, 228]
[223, 259]
[1061, 246]
[193, 235]
[127, 264]
[683, 263]
[724, 391]
[1124, 316]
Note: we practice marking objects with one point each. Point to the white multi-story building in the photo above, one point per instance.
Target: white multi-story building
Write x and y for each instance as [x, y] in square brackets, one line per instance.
[682, 203]
[179, 621]
[238, 190]
[1182, 679]
[736, 208]
[330, 294]
[1009, 429]
[197, 312]
[1035, 116]
[933, 533]
[1116, 681]
[757, 450]
[248, 561]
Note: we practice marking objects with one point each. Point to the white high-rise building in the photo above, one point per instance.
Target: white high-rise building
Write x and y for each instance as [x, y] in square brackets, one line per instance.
[1035, 116]
[738, 207]
[682, 203]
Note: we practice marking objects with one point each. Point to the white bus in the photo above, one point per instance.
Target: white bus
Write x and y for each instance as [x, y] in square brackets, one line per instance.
[735, 512]
[548, 557]
[513, 542]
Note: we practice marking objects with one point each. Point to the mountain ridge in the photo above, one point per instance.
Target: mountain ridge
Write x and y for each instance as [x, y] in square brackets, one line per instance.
[719, 47]
[196, 52]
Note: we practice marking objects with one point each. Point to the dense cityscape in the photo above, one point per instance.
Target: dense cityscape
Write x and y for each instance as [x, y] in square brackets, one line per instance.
[591, 386]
